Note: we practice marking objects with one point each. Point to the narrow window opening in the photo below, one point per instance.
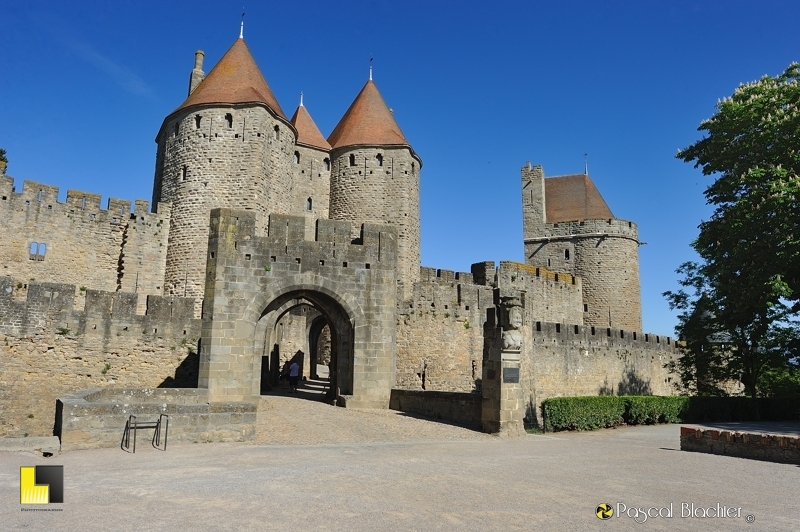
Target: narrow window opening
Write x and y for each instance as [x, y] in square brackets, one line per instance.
[197, 120]
[608, 332]
[322, 263]
[297, 260]
[34, 250]
[212, 254]
[297, 157]
[327, 164]
[247, 256]
[576, 329]
[273, 258]
[229, 120]
[658, 340]
[556, 277]
[537, 272]
[379, 159]
[42, 251]
[634, 336]
[83, 204]
[592, 331]
[585, 307]
[466, 307]
[352, 160]
[367, 267]
[309, 204]
[548, 263]
[39, 196]
[177, 126]
[539, 326]
[344, 265]
[558, 327]
[276, 133]
[184, 171]
[621, 333]
[566, 254]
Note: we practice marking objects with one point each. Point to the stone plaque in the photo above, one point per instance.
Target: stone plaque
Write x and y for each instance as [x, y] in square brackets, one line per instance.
[511, 375]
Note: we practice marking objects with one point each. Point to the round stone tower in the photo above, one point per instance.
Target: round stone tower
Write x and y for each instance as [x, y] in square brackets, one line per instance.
[568, 227]
[375, 177]
[229, 145]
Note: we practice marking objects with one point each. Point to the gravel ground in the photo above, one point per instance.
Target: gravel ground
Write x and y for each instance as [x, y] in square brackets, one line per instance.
[316, 467]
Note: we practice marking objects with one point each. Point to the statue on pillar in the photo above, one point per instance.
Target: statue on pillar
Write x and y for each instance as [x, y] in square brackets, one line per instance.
[513, 320]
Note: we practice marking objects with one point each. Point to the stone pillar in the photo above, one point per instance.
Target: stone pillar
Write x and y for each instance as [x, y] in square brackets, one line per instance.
[503, 406]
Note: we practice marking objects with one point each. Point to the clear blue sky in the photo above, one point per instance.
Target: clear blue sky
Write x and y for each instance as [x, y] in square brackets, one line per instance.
[479, 88]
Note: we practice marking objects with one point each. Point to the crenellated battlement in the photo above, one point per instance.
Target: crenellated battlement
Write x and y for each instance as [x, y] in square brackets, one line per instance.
[65, 310]
[286, 247]
[44, 199]
[577, 335]
[612, 227]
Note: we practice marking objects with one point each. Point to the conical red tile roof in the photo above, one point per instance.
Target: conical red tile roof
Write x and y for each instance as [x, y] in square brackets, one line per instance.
[236, 78]
[574, 197]
[367, 121]
[307, 131]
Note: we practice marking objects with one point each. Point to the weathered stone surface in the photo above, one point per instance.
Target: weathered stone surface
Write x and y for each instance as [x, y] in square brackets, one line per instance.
[766, 447]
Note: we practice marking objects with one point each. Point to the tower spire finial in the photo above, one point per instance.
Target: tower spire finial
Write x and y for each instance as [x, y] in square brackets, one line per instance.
[241, 28]
[370, 68]
[585, 164]
[301, 98]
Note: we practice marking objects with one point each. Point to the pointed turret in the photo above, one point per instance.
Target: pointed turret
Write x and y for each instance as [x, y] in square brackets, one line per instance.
[368, 121]
[375, 177]
[311, 185]
[228, 145]
[236, 79]
[308, 133]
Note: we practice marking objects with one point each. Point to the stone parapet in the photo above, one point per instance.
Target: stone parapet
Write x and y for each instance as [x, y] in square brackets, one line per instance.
[454, 407]
[766, 447]
[96, 418]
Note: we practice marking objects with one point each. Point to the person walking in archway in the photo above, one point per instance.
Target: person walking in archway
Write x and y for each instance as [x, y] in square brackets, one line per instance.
[294, 375]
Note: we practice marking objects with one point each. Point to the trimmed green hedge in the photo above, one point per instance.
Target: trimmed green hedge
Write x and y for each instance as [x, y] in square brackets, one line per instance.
[589, 413]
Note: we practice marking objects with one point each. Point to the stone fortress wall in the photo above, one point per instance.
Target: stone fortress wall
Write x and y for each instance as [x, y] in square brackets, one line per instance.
[54, 342]
[77, 242]
[441, 338]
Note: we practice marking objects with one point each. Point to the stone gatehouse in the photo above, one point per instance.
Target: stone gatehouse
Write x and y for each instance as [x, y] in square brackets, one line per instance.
[266, 242]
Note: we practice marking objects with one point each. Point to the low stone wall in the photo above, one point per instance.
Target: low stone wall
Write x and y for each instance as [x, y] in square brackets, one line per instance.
[96, 418]
[455, 407]
[767, 447]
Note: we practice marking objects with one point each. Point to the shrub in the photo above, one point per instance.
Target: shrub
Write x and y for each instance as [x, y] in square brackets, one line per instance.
[583, 413]
[589, 413]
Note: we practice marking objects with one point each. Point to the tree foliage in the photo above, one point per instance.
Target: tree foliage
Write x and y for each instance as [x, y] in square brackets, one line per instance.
[747, 285]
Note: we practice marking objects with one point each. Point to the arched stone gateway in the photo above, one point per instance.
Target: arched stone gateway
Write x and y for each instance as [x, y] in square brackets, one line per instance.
[252, 281]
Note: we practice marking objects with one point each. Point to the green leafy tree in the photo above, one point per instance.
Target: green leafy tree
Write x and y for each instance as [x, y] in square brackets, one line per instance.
[750, 248]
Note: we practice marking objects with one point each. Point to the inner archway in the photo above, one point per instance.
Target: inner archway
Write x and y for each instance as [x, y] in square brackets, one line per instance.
[292, 325]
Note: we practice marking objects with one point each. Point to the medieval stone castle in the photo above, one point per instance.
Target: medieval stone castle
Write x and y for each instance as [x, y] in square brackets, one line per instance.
[266, 242]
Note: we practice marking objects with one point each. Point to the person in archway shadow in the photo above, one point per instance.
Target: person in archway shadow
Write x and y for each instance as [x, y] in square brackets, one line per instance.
[294, 375]
[284, 377]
